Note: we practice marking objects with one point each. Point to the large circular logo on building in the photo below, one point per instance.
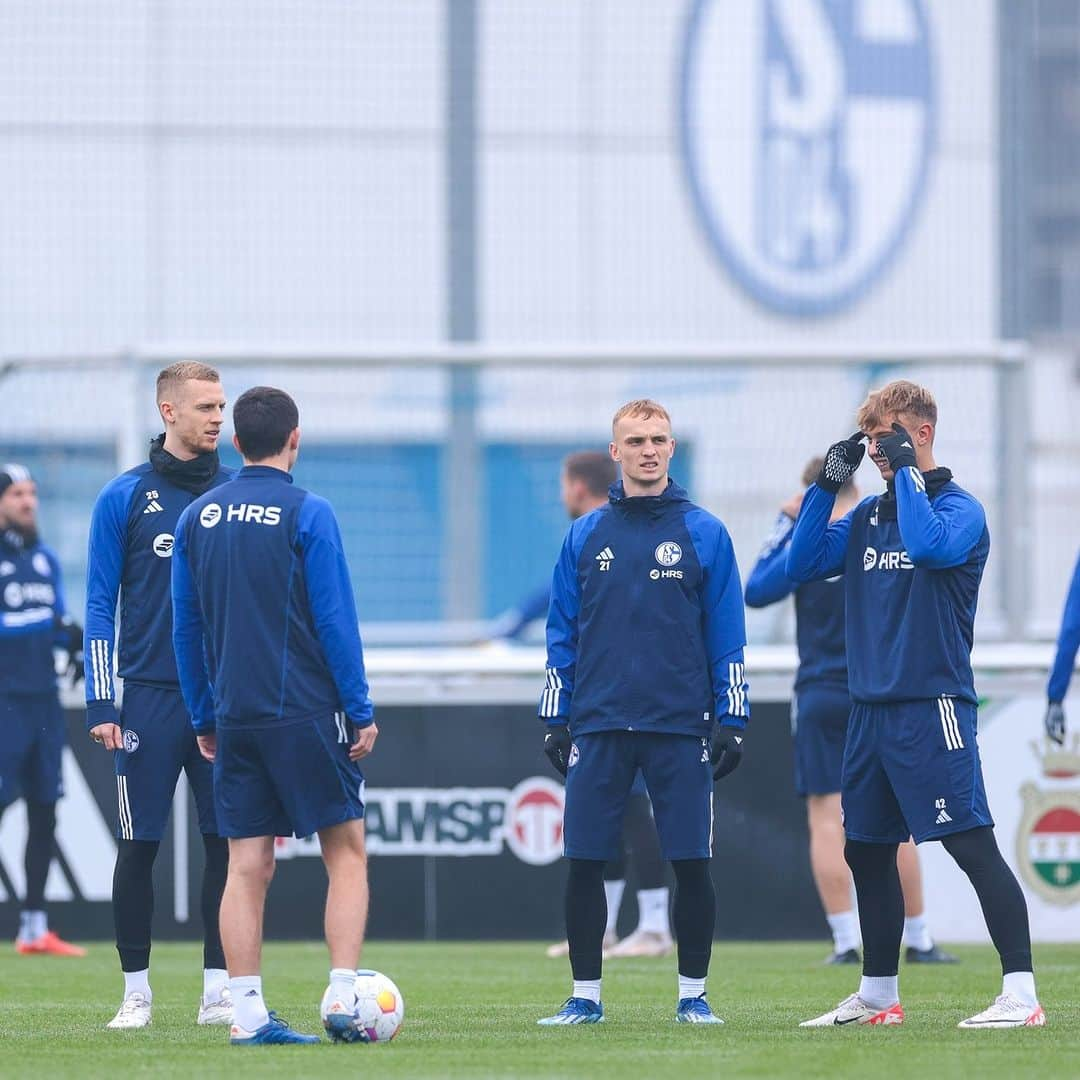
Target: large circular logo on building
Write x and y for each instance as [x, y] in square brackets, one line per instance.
[1048, 843]
[534, 821]
[807, 128]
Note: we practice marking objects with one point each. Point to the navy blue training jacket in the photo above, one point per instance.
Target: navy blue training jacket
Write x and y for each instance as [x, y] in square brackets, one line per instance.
[646, 630]
[264, 621]
[31, 599]
[912, 567]
[131, 546]
[819, 610]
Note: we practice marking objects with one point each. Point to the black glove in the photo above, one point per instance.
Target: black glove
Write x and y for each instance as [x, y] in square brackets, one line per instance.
[69, 638]
[841, 461]
[1054, 721]
[899, 448]
[557, 746]
[727, 748]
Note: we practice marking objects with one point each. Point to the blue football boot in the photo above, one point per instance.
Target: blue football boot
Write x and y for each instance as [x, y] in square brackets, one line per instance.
[275, 1032]
[576, 1010]
[695, 1010]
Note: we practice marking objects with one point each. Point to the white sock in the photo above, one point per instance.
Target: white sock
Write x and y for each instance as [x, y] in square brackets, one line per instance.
[138, 982]
[917, 933]
[653, 910]
[845, 931]
[249, 1009]
[343, 985]
[880, 991]
[1021, 984]
[690, 988]
[589, 989]
[32, 924]
[214, 981]
[613, 890]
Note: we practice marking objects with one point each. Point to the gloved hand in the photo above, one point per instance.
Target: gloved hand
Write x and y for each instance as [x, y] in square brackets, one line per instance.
[1054, 722]
[727, 749]
[841, 461]
[899, 448]
[557, 744]
[69, 638]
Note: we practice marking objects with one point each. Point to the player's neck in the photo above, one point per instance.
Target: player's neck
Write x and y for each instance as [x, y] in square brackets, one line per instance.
[633, 489]
[173, 445]
[281, 462]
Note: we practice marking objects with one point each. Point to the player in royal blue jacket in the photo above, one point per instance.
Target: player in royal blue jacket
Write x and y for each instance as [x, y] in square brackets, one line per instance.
[131, 546]
[272, 669]
[1057, 685]
[819, 719]
[33, 619]
[645, 642]
[912, 561]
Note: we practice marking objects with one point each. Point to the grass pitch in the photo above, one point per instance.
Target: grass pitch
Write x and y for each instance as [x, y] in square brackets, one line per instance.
[471, 1010]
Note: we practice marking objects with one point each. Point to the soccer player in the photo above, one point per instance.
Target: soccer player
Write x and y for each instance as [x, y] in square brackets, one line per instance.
[912, 560]
[272, 669]
[131, 544]
[32, 620]
[1064, 660]
[645, 642]
[819, 718]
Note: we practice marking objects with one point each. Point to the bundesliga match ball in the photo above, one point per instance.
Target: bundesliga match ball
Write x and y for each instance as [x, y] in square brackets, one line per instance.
[380, 1008]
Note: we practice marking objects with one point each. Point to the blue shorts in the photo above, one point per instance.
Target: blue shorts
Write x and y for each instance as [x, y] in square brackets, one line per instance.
[912, 769]
[32, 740]
[288, 779]
[819, 720]
[159, 742]
[679, 780]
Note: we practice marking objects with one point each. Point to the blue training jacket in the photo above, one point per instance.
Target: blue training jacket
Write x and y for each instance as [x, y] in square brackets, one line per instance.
[646, 629]
[131, 545]
[912, 567]
[31, 601]
[264, 622]
[819, 610]
[1068, 643]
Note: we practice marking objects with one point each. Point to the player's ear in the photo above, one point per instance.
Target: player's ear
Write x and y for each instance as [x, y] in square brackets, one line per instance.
[672, 444]
[613, 450]
[236, 444]
[294, 439]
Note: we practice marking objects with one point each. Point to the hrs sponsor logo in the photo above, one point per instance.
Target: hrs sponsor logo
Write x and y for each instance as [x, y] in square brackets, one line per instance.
[886, 560]
[245, 513]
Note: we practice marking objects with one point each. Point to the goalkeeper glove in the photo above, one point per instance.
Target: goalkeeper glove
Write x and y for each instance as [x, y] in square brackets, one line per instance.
[557, 746]
[1054, 722]
[69, 639]
[841, 461]
[899, 448]
[727, 748]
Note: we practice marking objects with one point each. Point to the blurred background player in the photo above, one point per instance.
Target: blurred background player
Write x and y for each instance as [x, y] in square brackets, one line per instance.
[1064, 659]
[586, 477]
[262, 595]
[912, 561]
[33, 619]
[131, 544]
[819, 719]
[645, 642]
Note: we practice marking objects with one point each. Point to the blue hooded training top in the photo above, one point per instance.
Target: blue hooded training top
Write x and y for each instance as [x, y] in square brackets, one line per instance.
[646, 630]
[819, 610]
[1068, 643]
[264, 621]
[912, 565]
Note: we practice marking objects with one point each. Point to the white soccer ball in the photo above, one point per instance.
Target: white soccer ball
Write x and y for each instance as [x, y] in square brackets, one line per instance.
[380, 1008]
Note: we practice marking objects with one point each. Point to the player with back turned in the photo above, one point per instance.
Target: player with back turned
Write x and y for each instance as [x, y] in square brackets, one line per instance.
[645, 641]
[131, 545]
[912, 560]
[272, 669]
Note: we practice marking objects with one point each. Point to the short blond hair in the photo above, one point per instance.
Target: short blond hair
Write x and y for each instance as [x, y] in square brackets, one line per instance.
[642, 407]
[896, 397]
[175, 375]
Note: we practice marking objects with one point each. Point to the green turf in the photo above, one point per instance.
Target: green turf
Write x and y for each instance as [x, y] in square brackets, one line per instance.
[471, 1011]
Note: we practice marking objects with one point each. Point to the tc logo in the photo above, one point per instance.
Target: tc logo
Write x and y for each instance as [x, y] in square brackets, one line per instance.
[534, 821]
[210, 515]
[163, 545]
[668, 553]
[783, 103]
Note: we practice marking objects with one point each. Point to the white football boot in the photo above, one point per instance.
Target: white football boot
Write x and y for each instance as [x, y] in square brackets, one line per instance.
[642, 943]
[216, 1012]
[1006, 1012]
[853, 1010]
[133, 1013]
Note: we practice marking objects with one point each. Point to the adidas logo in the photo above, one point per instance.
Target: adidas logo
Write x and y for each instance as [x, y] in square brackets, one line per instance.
[942, 818]
[604, 558]
[154, 508]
